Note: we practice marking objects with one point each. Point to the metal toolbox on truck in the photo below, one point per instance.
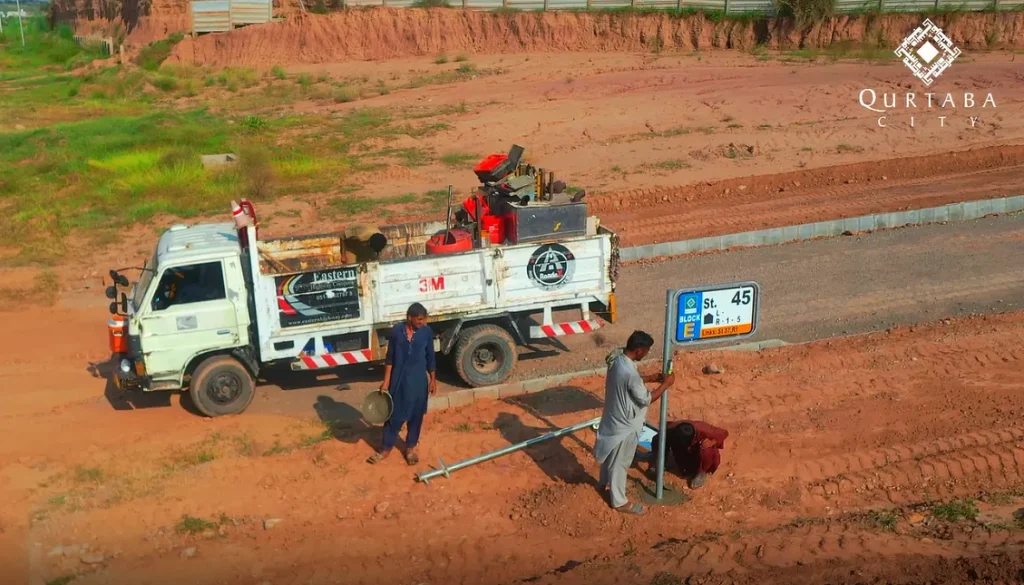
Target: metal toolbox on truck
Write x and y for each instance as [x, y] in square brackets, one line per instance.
[539, 221]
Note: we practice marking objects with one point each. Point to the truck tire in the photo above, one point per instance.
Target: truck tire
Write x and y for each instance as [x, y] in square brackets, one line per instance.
[484, 355]
[221, 385]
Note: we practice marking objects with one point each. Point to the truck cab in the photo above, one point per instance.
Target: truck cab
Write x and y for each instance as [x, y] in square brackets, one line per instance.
[190, 303]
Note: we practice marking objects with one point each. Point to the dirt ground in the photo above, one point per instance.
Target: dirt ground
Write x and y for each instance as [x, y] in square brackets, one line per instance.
[847, 460]
[725, 142]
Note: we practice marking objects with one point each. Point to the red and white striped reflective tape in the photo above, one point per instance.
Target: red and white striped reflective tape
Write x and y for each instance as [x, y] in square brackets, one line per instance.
[569, 328]
[333, 360]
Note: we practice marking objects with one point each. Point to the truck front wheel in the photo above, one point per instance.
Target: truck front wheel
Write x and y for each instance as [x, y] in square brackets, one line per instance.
[485, 355]
[221, 385]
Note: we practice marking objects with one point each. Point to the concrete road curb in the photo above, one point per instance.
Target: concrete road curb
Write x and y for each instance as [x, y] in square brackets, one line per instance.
[460, 398]
[953, 212]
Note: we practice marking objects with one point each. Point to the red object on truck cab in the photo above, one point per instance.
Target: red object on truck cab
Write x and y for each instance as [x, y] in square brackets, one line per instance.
[117, 331]
[490, 163]
[494, 168]
[460, 240]
[469, 205]
[494, 225]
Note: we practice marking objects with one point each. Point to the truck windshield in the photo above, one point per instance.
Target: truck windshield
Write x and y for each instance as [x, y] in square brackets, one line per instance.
[142, 285]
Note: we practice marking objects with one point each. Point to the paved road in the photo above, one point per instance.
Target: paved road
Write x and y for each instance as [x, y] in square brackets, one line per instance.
[810, 290]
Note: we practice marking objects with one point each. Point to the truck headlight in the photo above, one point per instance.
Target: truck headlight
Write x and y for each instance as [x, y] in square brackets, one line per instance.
[126, 366]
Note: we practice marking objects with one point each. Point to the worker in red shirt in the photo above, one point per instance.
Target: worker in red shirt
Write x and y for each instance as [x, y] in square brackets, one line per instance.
[695, 446]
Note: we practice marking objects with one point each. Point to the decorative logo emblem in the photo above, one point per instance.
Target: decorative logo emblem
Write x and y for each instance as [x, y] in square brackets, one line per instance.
[927, 52]
[551, 266]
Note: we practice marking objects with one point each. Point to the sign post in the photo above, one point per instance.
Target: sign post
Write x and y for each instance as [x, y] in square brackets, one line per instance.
[21, 25]
[703, 315]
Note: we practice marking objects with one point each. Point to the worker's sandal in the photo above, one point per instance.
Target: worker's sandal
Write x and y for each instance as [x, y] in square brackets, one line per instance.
[376, 457]
[631, 509]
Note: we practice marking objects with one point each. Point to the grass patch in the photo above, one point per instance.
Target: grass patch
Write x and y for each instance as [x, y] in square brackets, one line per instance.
[673, 132]
[326, 434]
[45, 290]
[88, 474]
[277, 449]
[956, 510]
[463, 427]
[461, 108]
[884, 519]
[153, 55]
[193, 525]
[441, 59]
[458, 159]
[849, 148]
[669, 165]
[95, 151]
[463, 72]
[62, 580]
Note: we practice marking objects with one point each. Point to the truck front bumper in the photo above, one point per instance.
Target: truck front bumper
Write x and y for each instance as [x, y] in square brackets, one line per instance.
[126, 373]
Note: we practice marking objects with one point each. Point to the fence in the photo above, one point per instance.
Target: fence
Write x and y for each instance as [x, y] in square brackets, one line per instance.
[105, 43]
[224, 15]
[766, 7]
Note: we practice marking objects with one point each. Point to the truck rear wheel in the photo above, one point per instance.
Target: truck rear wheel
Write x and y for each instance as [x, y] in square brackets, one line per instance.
[220, 386]
[485, 355]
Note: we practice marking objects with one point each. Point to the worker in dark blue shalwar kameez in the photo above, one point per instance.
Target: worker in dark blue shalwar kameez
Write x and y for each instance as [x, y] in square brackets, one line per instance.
[409, 376]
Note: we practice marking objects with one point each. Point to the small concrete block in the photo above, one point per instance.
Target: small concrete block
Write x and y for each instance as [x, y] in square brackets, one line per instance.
[664, 249]
[531, 386]
[680, 248]
[956, 212]
[218, 160]
[460, 398]
[510, 391]
[490, 393]
[791, 233]
[774, 236]
[436, 403]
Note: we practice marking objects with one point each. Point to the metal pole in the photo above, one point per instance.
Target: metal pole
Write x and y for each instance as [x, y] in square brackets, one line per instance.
[21, 25]
[445, 470]
[666, 367]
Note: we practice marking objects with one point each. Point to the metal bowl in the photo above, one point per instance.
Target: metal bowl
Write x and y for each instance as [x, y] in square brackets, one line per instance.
[377, 407]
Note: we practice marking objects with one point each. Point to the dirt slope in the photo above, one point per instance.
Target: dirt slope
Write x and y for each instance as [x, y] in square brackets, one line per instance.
[384, 33]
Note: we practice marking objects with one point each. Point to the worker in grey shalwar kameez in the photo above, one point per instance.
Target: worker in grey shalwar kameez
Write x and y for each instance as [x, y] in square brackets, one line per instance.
[625, 409]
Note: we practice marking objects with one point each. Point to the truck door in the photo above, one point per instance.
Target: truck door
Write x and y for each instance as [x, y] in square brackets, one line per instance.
[189, 313]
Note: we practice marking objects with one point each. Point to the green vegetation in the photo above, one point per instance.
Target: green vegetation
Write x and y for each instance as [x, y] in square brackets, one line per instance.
[884, 519]
[956, 510]
[194, 525]
[93, 151]
[153, 55]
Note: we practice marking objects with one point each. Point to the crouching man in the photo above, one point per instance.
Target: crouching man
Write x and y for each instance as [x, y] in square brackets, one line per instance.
[695, 446]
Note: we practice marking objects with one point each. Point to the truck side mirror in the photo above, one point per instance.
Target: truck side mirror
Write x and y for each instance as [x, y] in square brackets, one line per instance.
[113, 307]
[124, 303]
[111, 292]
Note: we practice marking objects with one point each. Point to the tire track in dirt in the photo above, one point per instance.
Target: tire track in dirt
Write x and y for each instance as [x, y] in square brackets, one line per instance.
[737, 205]
[949, 466]
[766, 398]
[824, 545]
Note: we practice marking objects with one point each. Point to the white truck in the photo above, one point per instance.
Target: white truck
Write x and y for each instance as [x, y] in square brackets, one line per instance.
[215, 305]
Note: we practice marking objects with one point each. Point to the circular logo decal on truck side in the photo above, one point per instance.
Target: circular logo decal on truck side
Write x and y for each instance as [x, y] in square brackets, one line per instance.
[551, 266]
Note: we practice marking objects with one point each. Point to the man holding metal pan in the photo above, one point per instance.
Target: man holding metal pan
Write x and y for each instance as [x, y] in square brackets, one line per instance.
[410, 375]
[625, 409]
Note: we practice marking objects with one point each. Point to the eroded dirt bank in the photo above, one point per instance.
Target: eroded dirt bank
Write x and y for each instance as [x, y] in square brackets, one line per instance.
[388, 33]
